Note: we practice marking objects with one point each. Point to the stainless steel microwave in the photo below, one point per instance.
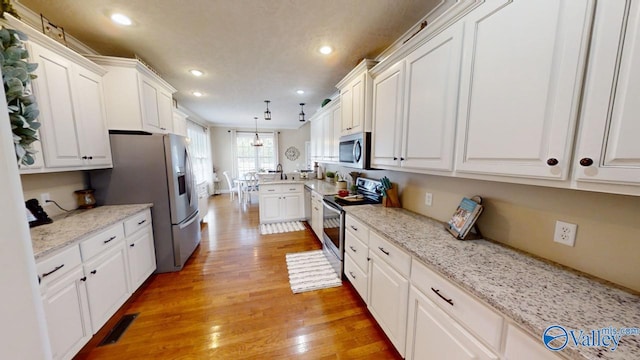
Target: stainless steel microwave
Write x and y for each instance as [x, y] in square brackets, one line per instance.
[354, 150]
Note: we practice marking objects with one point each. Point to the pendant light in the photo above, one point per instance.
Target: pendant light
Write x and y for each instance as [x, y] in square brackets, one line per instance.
[267, 113]
[257, 141]
[301, 115]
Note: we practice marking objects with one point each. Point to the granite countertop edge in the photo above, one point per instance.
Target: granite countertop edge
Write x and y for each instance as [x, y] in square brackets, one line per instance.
[68, 229]
[405, 232]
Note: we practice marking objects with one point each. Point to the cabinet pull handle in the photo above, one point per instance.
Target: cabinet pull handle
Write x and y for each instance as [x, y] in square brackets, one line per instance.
[142, 222]
[401, 159]
[351, 273]
[52, 271]
[292, 189]
[354, 228]
[90, 157]
[94, 271]
[586, 162]
[352, 248]
[271, 190]
[395, 158]
[383, 250]
[109, 239]
[552, 161]
[132, 245]
[84, 278]
[84, 158]
[450, 301]
[316, 208]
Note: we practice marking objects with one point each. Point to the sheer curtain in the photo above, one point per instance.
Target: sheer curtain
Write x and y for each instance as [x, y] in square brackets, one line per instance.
[200, 152]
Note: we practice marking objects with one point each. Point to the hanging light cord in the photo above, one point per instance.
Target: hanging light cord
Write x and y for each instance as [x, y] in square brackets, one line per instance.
[59, 207]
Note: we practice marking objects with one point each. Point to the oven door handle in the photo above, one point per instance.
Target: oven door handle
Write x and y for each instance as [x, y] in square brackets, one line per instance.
[331, 207]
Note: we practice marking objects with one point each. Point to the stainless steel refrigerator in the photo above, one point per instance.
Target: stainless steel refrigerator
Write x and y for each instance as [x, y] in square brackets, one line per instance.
[154, 168]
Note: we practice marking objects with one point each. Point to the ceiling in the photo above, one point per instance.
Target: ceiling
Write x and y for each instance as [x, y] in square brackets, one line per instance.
[249, 50]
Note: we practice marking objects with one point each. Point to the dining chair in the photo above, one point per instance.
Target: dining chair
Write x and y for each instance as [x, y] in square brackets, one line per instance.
[233, 188]
[250, 185]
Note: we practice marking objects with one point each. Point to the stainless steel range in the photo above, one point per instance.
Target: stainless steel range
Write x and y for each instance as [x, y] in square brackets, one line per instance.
[369, 192]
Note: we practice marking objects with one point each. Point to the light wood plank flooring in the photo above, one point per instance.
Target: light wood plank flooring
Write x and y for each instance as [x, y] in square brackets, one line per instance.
[232, 301]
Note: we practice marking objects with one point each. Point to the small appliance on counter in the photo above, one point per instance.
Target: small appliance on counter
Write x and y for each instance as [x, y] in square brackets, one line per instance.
[85, 199]
[35, 214]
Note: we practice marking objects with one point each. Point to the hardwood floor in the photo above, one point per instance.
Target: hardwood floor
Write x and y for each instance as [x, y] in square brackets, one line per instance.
[232, 301]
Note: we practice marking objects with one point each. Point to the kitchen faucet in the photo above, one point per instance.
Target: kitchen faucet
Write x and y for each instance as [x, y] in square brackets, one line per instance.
[279, 169]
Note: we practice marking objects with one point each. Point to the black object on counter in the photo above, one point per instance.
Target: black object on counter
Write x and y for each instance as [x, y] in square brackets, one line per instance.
[38, 212]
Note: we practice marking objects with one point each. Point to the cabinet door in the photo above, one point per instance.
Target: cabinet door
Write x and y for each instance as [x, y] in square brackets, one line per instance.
[53, 90]
[141, 257]
[520, 89]
[179, 123]
[67, 314]
[89, 104]
[431, 100]
[327, 136]
[520, 346]
[270, 208]
[165, 111]
[316, 138]
[292, 206]
[387, 116]
[357, 104]
[106, 285]
[431, 334]
[337, 125]
[346, 110]
[317, 218]
[610, 127]
[388, 294]
[149, 103]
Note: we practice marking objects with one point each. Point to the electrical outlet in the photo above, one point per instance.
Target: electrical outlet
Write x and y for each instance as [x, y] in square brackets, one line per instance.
[565, 233]
[428, 199]
[43, 199]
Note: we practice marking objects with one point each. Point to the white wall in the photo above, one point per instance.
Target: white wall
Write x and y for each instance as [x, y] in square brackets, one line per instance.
[23, 333]
[293, 138]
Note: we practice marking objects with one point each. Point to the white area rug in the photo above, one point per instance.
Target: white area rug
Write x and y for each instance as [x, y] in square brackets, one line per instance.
[281, 227]
[310, 270]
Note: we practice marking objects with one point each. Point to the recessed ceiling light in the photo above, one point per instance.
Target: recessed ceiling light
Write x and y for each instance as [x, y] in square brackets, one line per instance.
[121, 19]
[197, 93]
[300, 92]
[326, 50]
[196, 72]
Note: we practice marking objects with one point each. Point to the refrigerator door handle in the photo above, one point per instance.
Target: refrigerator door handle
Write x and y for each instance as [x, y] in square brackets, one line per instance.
[188, 222]
[190, 180]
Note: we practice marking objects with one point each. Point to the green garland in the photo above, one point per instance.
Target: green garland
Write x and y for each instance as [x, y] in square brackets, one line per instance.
[17, 74]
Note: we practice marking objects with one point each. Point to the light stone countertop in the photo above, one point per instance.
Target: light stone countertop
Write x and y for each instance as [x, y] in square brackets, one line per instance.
[322, 187]
[533, 293]
[70, 228]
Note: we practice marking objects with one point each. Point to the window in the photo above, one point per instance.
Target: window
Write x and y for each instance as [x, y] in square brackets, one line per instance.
[255, 158]
[199, 149]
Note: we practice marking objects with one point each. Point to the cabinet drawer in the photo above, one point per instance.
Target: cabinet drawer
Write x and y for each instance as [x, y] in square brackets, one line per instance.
[137, 222]
[391, 254]
[104, 240]
[485, 323]
[356, 276]
[357, 228]
[54, 266]
[292, 188]
[269, 188]
[357, 250]
[521, 346]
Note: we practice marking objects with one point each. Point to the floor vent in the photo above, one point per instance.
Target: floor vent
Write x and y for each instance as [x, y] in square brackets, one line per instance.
[116, 332]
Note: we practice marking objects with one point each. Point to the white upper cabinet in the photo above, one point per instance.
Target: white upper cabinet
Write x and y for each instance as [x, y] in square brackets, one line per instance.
[72, 114]
[317, 139]
[179, 122]
[355, 99]
[136, 98]
[607, 146]
[520, 87]
[415, 103]
[387, 116]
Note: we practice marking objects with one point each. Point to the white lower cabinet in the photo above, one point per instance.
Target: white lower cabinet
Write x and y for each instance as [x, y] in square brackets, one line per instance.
[317, 214]
[85, 283]
[432, 334]
[67, 314]
[389, 288]
[356, 259]
[107, 285]
[281, 202]
[520, 346]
